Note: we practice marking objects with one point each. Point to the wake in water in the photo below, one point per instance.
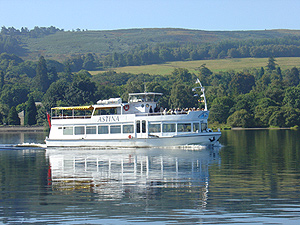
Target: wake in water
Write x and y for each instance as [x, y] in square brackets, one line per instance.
[217, 145]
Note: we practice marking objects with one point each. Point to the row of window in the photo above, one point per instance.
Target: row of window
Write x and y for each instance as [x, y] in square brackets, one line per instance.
[113, 129]
[127, 129]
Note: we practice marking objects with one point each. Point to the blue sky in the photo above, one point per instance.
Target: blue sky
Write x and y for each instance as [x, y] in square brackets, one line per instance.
[123, 14]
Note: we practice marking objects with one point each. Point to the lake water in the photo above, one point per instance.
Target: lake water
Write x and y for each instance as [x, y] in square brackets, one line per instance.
[253, 179]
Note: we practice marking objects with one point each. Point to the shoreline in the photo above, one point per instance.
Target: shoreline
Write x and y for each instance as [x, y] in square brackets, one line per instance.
[259, 128]
[22, 129]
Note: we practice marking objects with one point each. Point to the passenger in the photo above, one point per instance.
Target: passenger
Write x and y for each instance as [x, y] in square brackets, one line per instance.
[150, 110]
[165, 111]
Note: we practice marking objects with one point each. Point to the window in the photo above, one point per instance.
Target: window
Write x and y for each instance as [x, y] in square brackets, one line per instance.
[79, 130]
[203, 127]
[183, 127]
[127, 129]
[154, 128]
[91, 130]
[195, 127]
[138, 126]
[169, 127]
[115, 129]
[103, 130]
[143, 126]
[68, 131]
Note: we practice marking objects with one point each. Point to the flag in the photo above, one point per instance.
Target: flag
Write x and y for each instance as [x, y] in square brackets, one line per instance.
[198, 81]
[48, 118]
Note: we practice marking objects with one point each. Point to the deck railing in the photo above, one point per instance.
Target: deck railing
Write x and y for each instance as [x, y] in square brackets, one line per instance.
[71, 117]
[137, 114]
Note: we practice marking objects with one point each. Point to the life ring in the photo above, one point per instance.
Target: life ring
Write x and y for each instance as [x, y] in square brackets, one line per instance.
[129, 136]
[126, 107]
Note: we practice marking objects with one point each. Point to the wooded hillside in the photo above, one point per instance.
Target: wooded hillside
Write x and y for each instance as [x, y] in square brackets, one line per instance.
[250, 97]
[146, 46]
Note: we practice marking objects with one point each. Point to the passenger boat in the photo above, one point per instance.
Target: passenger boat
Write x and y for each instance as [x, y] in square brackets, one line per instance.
[138, 123]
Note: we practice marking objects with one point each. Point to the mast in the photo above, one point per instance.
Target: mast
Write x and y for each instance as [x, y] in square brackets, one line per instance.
[202, 89]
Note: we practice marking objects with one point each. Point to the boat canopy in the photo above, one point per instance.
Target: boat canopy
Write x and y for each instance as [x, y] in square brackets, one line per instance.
[144, 97]
[88, 107]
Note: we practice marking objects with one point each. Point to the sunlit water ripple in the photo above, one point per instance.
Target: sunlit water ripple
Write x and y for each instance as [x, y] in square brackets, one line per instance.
[252, 179]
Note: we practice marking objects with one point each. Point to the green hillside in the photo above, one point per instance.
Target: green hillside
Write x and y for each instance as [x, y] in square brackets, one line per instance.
[214, 65]
[63, 44]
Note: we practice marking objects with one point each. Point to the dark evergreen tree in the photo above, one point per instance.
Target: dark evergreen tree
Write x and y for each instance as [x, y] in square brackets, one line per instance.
[13, 118]
[41, 78]
[52, 75]
[68, 72]
[30, 112]
[242, 83]
[293, 77]
[1, 78]
[271, 64]
[89, 62]
[261, 72]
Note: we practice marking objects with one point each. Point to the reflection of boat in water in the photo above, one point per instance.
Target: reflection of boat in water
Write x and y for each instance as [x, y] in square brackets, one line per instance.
[138, 123]
[134, 171]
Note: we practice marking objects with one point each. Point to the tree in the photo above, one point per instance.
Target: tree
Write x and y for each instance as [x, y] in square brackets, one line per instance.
[67, 75]
[13, 118]
[204, 74]
[242, 83]
[220, 109]
[277, 119]
[13, 95]
[41, 77]
[30, 112]
[182, 74]
[264, 110]
[182, 96]
[293, 77]
[241, 118]
[271, 64]
[55, 93]
[291, 116]
[82, 90]
[89, 62]
[292, 97]
[1, 79]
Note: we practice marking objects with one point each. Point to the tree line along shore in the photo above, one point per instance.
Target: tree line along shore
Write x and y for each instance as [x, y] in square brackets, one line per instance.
[264, 97]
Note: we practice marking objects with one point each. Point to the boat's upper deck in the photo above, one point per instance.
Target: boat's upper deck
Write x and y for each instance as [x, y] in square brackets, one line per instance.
[139, 104]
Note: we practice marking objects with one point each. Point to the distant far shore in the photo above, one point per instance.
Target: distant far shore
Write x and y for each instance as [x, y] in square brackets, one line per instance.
[259, 128]
[22, 129]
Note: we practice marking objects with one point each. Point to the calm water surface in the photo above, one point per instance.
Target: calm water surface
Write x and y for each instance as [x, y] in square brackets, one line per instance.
[253, 179]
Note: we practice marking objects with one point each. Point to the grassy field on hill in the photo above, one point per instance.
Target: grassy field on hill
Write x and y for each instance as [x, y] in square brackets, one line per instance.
[213, 65]
[64, 44]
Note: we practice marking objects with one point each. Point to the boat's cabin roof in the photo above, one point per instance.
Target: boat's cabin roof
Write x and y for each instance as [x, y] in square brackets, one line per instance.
[144, 97]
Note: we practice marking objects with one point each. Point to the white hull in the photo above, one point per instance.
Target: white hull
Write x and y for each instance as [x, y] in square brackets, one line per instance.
[206, 139]
[132, 124]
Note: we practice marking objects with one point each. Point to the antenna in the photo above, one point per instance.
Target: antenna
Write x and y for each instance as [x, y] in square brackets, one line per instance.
[145, 89]
[203, 94]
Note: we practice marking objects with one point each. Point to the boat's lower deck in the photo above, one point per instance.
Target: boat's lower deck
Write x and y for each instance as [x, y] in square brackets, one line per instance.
[208, 138]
